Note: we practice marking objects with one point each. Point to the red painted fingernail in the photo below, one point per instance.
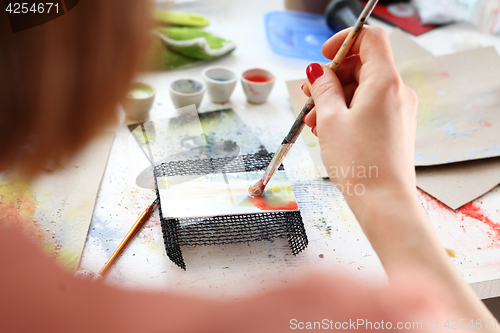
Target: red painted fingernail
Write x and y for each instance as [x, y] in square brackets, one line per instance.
[314, 71]
[313, 129]
[304, 119]
[302, 86]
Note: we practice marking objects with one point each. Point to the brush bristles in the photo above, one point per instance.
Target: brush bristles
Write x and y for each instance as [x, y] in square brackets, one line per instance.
[85, 274]
[256, 189]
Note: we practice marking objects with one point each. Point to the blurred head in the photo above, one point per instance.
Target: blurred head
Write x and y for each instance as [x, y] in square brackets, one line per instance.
[60, 82]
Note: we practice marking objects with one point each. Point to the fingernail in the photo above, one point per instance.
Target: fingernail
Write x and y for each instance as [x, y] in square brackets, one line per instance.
[314, 71]
[302, 86]
[313, 130]
[304, 119]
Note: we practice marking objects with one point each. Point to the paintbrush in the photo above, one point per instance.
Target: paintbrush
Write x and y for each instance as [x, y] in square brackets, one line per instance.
[86, 274]
[258, 188]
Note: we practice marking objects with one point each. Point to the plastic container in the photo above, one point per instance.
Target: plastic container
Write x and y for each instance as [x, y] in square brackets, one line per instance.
[297, 34]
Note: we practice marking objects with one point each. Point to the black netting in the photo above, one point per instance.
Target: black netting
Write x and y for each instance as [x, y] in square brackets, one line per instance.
[244, 163]
[227, 229]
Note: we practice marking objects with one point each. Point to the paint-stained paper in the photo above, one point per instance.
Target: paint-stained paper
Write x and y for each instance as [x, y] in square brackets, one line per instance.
[193, 136]
[454, 184]
[56, 209]
[459, 106]
[224, 194]
[195, 188]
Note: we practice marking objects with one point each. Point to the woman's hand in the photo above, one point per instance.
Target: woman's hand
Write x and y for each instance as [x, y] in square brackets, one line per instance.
[365, 118]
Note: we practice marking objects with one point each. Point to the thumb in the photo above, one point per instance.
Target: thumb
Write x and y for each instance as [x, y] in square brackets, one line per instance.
[325, 87]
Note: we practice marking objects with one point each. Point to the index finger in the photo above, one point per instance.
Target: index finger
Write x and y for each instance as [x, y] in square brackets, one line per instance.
[372, 43]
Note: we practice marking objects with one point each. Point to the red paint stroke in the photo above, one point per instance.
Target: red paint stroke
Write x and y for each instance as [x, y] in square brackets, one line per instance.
[468, 210]
[445, 74]
[252, 90]
[484, 123]
[258, 78]
[265, 204]
[477, 213]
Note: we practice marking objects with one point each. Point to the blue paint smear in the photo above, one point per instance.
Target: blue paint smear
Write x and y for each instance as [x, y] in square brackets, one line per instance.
[431, 157]
[436, 122]
[452, 131]
[474, 153]
[418, 157]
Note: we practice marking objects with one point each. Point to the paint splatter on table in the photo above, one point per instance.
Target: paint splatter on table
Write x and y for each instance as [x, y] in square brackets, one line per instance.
[472, 232]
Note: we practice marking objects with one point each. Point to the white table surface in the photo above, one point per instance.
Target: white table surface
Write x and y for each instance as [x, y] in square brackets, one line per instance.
[336, 242]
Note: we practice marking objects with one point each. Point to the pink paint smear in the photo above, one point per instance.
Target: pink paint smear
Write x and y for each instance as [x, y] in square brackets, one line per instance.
[485, 123]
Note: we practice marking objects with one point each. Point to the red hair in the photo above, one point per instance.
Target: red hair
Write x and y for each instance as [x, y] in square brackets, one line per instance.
[61, 81]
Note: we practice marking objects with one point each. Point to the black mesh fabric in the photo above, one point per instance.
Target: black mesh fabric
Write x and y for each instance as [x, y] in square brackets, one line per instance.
[227, 229]
[244, 163]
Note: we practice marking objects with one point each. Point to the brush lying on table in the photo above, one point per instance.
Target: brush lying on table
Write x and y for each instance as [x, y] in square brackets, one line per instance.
[89, 275]
[258, 188]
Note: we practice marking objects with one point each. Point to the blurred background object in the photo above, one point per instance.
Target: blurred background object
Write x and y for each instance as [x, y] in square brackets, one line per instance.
[485, 14]
[314, 6]
[341, 14]
[438, 11]
[180, 41]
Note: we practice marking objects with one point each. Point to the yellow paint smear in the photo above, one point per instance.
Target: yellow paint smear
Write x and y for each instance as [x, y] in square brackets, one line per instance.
[451, 253]
[64, 256]
[18, 206]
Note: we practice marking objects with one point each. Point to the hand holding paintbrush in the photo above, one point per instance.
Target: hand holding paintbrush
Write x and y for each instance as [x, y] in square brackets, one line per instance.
[258, 188]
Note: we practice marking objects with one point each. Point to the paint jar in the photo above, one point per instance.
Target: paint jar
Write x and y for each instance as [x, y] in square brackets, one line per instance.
[257, 84]
[220, 83]
[184, 92]
[138, 101]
